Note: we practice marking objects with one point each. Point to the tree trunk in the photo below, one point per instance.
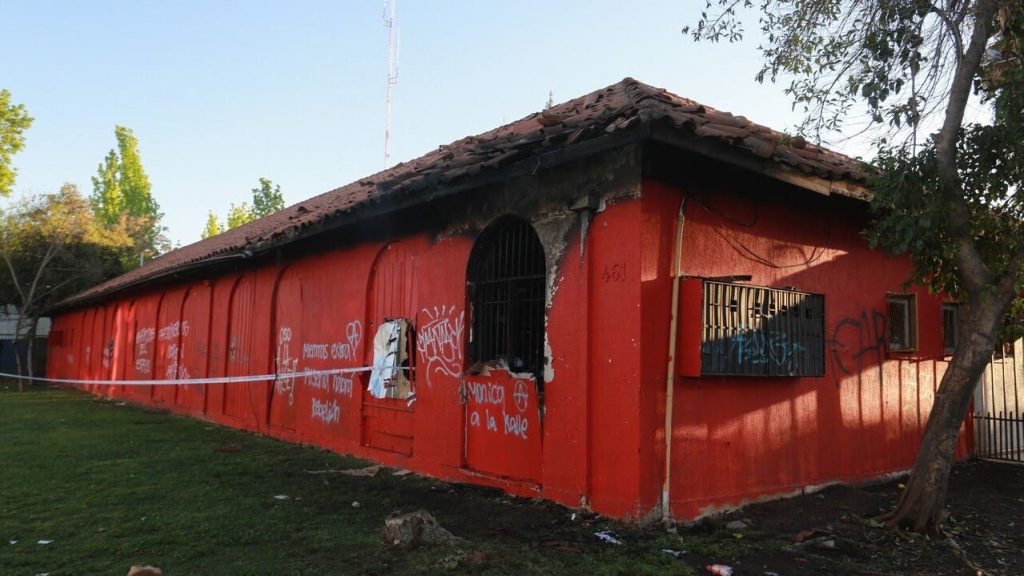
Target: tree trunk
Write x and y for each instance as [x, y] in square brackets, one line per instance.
[30, 348]
[17, 354]
[921, 507]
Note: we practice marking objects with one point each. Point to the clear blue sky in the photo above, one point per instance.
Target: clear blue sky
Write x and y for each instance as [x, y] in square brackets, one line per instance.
[220, 93]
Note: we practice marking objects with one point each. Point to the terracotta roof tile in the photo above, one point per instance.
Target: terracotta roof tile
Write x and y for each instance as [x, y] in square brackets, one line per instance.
[622, 106]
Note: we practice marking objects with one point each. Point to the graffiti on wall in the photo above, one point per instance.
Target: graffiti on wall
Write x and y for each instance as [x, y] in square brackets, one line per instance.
[172, 354]
[858, 343]
[144, 339]
[327, 389]
[439, 341]
[173, 330]
[758, 347]
[327, 411]
[284, 365]
[236, 354]
[489, 411]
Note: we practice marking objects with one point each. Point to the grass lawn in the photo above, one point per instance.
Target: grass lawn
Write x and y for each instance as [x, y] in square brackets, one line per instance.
[111, 485]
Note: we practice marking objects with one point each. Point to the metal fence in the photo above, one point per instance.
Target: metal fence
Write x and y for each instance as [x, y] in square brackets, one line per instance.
[9, 354]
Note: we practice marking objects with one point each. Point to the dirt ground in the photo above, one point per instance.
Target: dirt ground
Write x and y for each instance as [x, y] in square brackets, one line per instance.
[832, 532]
[829, 532]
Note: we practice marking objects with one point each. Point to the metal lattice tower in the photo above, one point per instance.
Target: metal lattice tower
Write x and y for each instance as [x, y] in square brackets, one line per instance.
[388, 18]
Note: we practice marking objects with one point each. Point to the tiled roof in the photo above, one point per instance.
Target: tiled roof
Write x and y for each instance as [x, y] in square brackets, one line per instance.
[628, 106]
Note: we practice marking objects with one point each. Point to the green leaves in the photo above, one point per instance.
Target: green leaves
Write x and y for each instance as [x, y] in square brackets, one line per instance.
[212, 227]
[122, 196]
[14, 121]
[844, 56]
[52, 247]
[107, 201]
[910, 216]
[266, 200]
[239, 214]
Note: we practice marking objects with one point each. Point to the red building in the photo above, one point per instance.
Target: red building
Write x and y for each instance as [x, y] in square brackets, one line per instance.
[514, 295]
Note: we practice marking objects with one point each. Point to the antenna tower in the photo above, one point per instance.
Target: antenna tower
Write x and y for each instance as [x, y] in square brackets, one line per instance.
[388, 18]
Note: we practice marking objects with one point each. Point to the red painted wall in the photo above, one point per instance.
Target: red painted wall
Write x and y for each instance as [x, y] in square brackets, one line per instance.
[736, 439]
[599, 440]
[320, 312]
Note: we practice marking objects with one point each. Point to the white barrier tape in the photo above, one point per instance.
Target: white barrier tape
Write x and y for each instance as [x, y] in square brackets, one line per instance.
[180, 381]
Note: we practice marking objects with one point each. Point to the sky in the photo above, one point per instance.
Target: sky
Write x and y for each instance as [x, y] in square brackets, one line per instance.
[222, 93]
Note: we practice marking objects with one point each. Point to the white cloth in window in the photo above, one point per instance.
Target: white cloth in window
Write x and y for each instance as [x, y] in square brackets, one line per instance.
[390, 354]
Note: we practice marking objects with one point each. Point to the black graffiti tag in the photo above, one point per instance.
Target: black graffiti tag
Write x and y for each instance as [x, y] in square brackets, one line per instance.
[855, 342]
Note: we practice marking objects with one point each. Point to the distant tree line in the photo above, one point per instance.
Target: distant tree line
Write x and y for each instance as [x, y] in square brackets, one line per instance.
[266, 199]
[55, 245]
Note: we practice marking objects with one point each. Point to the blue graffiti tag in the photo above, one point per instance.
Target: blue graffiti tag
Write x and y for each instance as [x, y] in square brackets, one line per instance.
[758, 347]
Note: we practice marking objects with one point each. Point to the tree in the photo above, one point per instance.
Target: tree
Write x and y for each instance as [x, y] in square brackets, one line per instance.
[953, 200]
[266, 199]
[14, 121]
[239, 214]
[213, 226]
[121, 191]
[52, 247]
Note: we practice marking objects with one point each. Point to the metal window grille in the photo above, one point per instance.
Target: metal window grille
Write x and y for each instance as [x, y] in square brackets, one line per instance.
[757, 331]
[902, 322]
[506, 280]
[950, 327]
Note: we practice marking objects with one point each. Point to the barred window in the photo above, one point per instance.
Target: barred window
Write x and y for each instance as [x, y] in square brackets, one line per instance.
[506, 280]
[758, 331]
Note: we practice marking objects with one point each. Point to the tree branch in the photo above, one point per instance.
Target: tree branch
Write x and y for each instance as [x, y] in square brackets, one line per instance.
[954, 30]
[50, 251]
[975, 273]
[14, 275]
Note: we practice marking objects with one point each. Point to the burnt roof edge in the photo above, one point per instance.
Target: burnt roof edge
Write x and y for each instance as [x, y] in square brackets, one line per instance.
[729, 154]
[397, 199]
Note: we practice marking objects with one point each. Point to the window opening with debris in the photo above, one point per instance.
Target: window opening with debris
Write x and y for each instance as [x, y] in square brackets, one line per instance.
[506, 283]
[390, 307]
[759, 331]
[392, 346]
[902, 322]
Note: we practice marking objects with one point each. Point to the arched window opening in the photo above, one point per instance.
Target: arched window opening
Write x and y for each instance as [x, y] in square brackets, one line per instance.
[390, 309]
[506, 282]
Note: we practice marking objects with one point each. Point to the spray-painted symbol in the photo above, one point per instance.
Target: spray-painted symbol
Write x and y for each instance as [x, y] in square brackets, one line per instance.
[521, 397]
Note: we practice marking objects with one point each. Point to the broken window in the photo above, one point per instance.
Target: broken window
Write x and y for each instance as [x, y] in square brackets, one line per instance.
[902, 322]
[392, 346]
[950, 326]
[758, 331]
[506, 282]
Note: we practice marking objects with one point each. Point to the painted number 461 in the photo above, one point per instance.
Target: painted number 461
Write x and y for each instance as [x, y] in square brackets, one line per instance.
[614, 272]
